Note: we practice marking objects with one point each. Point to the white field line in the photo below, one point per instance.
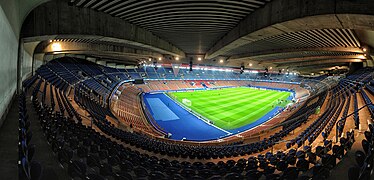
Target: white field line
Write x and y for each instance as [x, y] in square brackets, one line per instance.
[198, 116]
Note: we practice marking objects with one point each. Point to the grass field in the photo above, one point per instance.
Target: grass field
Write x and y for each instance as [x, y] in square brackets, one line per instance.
[231, 108]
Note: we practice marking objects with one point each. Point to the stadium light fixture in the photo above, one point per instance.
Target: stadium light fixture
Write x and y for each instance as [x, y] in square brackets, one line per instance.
[56, 46]
[177, 58]
[270, 67]
[221, 60]
[199, 58]
[250, 64]
[149, 59]
[160, 58]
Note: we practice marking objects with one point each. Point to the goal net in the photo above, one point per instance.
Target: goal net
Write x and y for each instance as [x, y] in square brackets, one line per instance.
[186, 102]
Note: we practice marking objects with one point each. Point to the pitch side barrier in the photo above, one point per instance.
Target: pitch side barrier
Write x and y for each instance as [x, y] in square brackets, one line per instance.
[254, 80]
[276, 89]
[192, 89]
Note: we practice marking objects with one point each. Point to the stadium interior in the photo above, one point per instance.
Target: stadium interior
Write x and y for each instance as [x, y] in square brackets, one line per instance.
[187, 89]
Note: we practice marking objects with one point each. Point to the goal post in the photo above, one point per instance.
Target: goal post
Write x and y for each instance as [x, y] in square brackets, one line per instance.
[186, 102]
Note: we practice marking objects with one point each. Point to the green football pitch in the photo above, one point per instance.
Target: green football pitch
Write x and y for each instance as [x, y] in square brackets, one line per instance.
[231, 108]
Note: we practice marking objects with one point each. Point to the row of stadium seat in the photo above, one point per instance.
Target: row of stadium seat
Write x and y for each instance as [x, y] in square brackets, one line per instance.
[368, 101]
[341, 101]
[27, 168]
[356, 115]
[341, 123]
[129, 111]
[364, 160]
[88, 154]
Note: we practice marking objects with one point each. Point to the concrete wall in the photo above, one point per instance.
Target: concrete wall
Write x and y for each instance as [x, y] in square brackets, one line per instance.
[12, 13]
[27, 55]
[8, 53]
[38, 61]
[26, 65]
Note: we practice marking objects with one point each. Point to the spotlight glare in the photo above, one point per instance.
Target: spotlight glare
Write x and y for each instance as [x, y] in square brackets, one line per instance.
[250, 64]
[199, 58]
[56, 46]
[177, 58]
[221, 61]
[159, 58]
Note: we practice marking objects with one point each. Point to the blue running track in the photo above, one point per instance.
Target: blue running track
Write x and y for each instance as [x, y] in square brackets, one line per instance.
[178, 121]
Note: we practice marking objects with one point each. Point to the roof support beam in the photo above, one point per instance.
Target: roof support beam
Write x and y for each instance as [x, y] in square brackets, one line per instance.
[56, 18]
[284, 16]
[313, 58]
[313, 63]
[278, 52]
[47, 47]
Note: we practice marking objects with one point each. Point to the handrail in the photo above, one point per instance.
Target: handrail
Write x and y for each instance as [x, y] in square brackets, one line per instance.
[345, 117]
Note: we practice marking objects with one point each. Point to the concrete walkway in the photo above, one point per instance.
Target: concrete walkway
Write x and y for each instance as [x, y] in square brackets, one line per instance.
[43, 152]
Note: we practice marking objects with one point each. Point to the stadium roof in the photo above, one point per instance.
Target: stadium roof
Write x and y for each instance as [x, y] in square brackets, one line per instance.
[278, 33]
